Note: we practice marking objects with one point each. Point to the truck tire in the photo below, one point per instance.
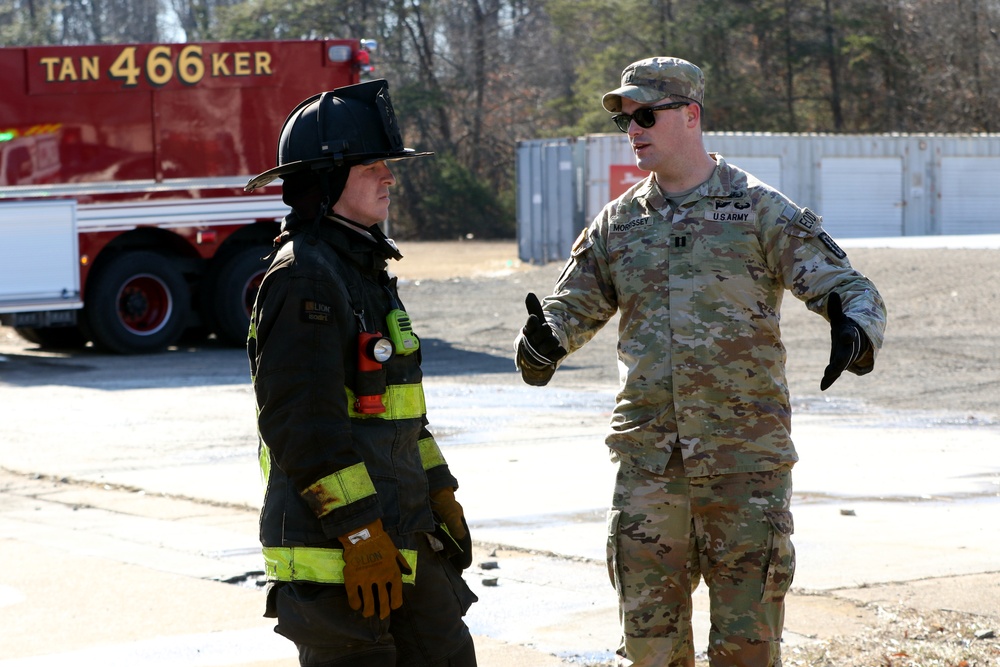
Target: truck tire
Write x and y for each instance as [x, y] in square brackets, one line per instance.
[137, 303]
[231, 291]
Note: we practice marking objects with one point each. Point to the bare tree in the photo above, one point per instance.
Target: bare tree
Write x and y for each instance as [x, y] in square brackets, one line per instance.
[832, 64]
[197, 18]
[108, 21]
[24, 22]
[473, 77]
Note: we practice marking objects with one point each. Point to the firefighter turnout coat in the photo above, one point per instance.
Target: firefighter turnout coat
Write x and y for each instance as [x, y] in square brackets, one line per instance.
[330, 468]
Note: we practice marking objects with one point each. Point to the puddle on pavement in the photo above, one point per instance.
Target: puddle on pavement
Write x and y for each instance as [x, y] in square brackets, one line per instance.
[863, 414]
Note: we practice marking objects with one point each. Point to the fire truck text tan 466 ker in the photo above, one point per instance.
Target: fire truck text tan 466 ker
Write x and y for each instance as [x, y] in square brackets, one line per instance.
[122, 211]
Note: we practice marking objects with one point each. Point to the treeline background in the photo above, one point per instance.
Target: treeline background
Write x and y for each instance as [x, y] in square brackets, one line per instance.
[469, 78]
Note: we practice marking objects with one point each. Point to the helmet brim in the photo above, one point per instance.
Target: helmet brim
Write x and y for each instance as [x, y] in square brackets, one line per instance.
[324, 163]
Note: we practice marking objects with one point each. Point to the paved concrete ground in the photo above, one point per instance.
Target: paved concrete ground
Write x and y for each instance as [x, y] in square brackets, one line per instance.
[112, 577]
[123, 563]
[100, 572]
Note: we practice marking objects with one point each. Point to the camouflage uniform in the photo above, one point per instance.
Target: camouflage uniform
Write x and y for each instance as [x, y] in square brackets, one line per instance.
[701, 362]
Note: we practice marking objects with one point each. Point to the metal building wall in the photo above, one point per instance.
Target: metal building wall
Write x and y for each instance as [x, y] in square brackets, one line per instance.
[862, 185]
[547, 215]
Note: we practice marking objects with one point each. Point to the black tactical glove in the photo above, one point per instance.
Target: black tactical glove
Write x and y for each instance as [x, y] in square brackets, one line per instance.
[538, 349]
[848, 342]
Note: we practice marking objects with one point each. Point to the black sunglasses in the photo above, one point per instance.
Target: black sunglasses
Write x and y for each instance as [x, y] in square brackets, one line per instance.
[644, 117]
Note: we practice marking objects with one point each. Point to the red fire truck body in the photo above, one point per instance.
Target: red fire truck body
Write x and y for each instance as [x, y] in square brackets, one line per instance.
[121, 183]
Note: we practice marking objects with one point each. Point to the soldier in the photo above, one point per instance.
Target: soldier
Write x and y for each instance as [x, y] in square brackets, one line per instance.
[695, 259]
[363, 539]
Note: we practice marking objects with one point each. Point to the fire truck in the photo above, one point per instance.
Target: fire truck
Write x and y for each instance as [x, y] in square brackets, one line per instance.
[123, 219]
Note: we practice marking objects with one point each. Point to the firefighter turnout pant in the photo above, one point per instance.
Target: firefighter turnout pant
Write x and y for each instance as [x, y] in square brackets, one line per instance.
[427, 631]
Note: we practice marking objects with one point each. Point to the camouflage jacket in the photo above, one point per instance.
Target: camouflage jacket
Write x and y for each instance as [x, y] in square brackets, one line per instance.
[699, 292]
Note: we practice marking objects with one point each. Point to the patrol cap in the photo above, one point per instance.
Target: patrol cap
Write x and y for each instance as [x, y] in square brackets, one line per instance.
[651, 80]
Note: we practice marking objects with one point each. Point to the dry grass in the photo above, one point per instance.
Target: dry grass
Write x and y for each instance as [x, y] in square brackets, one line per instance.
[907, 638]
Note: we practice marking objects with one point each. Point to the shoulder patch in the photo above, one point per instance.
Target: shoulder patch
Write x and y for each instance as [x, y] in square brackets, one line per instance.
[315, 312]
[583, 241]
[832, 246]
[808, 221]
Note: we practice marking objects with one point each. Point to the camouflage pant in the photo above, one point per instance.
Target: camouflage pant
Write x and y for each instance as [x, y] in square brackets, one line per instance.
[667, 531]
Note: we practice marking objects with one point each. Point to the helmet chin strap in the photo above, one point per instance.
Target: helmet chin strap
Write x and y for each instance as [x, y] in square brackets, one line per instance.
[375, 233]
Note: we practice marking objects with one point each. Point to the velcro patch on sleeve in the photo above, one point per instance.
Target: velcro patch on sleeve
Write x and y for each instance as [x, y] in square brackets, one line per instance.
[316, 312]
[832, 246]
[582, 243]
[808, 221]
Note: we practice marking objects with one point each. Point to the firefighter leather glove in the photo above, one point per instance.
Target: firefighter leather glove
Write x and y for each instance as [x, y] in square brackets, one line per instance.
[538, 349]
[373, 570]
[848, 341]
[443, 502]
[445, 506]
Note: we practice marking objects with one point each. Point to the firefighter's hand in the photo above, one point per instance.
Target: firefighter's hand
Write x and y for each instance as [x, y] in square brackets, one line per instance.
[537, 348]
[443, 502]
[373, 570]
[451, 513]
[848, 342]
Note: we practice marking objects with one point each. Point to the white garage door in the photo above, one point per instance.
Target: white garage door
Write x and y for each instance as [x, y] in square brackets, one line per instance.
[970, 198]
[862, 197]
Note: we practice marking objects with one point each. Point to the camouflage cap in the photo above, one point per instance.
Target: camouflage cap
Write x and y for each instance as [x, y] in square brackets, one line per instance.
[653, 79]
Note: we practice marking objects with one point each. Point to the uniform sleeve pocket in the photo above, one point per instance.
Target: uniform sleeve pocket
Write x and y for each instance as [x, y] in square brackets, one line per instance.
[781, 564]
[582, 244]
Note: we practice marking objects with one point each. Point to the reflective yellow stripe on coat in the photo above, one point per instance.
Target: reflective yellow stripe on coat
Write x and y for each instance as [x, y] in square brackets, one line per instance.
[430, 454]
[321, 566]
[339, 489]
[401, 401]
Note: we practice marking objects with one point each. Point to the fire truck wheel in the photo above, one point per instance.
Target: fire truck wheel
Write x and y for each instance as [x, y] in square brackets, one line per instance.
[136, 303]
[231, 294]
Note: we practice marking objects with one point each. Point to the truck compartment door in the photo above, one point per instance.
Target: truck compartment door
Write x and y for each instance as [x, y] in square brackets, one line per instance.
[39, 256]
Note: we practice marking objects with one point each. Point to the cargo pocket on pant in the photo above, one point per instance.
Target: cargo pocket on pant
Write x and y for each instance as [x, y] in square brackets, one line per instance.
[463, 593]
[318, 615]
[781, 564]
[614, 573]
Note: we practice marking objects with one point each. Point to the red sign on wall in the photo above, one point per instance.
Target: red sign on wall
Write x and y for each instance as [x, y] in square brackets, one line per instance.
[622, 177]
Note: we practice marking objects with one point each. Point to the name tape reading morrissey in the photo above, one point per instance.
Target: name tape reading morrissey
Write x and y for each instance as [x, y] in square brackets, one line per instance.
[619, 227]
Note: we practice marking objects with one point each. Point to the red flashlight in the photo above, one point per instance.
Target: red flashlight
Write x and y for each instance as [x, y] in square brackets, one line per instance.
[374, 349]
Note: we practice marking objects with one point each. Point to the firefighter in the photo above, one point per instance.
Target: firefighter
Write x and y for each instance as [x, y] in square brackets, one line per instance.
[363, 539]
[695, 260]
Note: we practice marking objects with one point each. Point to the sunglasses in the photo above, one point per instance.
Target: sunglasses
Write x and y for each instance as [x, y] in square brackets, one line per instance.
[644, 117]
